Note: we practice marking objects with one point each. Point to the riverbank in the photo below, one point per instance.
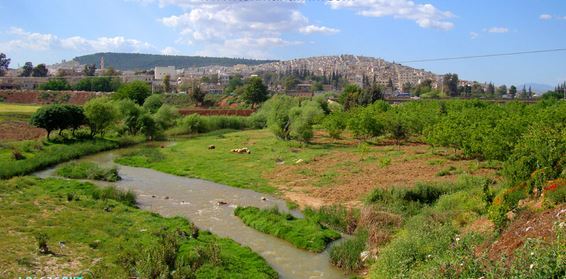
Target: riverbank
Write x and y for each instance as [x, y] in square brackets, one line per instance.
[65, 227]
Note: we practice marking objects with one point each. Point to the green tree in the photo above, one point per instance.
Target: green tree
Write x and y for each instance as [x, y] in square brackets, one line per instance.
[27, 69]
[396, 126]
[335, 123]
[153, 103]
[56, 84]
[149, 127]
[501, 90]
[233, 83]
[130, 114]
[513, 91]
[197, 94]
[58, 117]
[350, 96]
[407, 87]
[450, 85]
[40, 71]
[165, 117]
[255, 91]
[167, 84]
[4, 63]
[136, 91]
[101, 114]
[317, 86]
[89, 70]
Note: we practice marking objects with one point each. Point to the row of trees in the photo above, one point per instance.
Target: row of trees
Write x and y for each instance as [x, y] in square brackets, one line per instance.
[132, 110]
[94, 84]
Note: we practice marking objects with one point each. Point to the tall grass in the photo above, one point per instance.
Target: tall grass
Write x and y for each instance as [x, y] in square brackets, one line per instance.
[337, 217]
[303, 233]
[88, 170]
[346, 255]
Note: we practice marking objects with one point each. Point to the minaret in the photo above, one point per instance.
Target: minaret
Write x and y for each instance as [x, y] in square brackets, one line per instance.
[102, 62]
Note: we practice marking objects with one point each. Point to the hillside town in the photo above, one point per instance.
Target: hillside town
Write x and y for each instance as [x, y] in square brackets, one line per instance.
[297, 77]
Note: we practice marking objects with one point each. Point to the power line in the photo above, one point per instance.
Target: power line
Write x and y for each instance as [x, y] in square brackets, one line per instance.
[484, 55]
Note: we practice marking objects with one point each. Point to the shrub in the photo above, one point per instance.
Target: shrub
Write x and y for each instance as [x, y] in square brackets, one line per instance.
[303, 233]
[346, 255]
[136, 91]
[153, 103]
[87, 170]
[55, 84]
[337, 217]
[335, 123]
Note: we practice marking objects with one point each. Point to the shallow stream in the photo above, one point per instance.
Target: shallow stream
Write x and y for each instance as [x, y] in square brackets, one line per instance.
[201, 202]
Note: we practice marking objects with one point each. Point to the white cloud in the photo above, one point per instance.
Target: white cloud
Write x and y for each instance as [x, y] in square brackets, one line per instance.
[170, 51]
[41, 42]
[498, 30]
[545, 17]
[549, 17]
[221, 27]
[309, 29]
[425, 15]
[474, 35]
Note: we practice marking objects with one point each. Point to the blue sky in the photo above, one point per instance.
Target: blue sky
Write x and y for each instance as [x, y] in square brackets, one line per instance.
[45, 31]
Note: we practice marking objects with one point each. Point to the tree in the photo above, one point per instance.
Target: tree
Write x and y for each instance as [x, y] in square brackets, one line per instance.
[396, 126]
[4, 63]
[130, 114]
[153, 103]
[255, 91]
[490, 90]
[196, 94]
[501, 90]
[165, 117]
[136, 91]
[100, 113]
[523, 94]
[148, 126]
[110, 72]
[55, 84]
[450, 85]
[407, 87]
[27, 69]
[370, 95]
[89, 70]
[58, 117]
[350, 96]
[317, 86]
[289, 83]
[233, 83]
[513, 91]
[40, 71]
[167, 84]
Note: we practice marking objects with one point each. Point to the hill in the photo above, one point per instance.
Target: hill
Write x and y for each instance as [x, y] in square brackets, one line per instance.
[138, 61]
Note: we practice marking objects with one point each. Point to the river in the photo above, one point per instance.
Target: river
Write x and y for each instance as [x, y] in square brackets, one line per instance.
[199, 201]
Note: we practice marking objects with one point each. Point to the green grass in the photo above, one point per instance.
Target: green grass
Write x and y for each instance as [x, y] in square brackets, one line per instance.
[337, 217]
[346, 255]
[16, 112]
[40, 154]
[88, 170]
[192, 158]
[302, 233]
[102, 232]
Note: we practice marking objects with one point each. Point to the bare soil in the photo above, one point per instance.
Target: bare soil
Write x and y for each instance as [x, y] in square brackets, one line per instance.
[347, 177]
[16, 130]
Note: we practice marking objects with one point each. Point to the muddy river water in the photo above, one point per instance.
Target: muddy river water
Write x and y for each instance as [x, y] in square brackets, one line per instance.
[198, 200]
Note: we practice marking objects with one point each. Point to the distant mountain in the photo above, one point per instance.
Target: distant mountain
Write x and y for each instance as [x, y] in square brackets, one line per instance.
[138, 61]
[538, 88]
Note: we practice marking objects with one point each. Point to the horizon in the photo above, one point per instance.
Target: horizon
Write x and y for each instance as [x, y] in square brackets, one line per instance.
[294, 30]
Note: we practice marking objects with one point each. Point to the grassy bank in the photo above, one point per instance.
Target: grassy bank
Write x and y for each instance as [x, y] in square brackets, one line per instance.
[26, 157]
[16, 112]
[303, 233]
[79, 227]
[192, 157]
[88, 170]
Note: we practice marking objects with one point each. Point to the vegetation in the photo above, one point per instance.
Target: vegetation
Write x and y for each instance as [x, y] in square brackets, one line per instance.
[58, 117]
[56, 84]
[346, 255]
[88, 170]
[109, 236]
[136, 91]
[101, 114]
[39, 155]
[193, 158]
[98, 84]
[303, 233]
[255, 91]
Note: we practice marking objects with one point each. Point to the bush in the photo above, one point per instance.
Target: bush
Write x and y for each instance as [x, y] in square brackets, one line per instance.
[87, 170]
[55, 84]
[335, 123]
[303, 233]
[136, 91]
[153, 103]
[194, 124]
[337, 217]
[346, 255]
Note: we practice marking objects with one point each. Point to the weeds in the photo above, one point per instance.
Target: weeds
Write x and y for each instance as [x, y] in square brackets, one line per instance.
[88, 170]
[347, 255]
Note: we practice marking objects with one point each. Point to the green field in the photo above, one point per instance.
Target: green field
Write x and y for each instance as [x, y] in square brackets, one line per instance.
[192, 157]
[16, 112]
[84, 227]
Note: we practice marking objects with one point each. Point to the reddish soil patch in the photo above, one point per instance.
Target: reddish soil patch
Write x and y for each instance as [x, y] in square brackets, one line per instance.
[47, 97]
[345, 177]
[527, 225]
[15, 130]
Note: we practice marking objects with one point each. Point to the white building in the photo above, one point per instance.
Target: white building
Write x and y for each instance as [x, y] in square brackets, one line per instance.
[161, 72]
